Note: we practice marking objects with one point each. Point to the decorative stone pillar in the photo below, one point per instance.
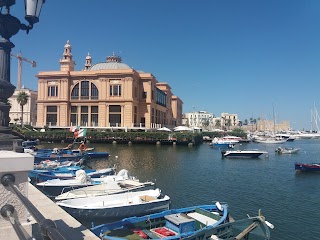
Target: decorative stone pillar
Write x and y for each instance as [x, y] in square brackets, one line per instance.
[18, 164]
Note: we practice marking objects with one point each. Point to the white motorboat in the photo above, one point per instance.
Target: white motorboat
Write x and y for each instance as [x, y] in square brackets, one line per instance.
[242, 153]
[108, 188]
[117, 205]
[56, 187]
[223, 143]
[270, 140]
[281, 150]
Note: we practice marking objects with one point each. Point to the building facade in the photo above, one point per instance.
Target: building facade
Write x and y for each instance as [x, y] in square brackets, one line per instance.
[201, 119]
[29, 110]
[229, 121]
[106, 94]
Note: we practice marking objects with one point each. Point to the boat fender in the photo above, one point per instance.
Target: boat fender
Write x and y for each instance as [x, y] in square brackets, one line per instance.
[219, 207]
[82, 147]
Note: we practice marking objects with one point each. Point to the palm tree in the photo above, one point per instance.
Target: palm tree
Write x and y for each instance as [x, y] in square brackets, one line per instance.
[22, 99]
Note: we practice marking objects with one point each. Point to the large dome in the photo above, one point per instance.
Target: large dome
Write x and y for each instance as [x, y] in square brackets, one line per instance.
[113, 62]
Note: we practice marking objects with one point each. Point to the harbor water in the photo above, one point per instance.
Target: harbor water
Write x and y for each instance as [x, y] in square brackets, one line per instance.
[199, 175]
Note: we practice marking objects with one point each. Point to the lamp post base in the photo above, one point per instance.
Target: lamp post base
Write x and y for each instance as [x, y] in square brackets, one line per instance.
[7, 139]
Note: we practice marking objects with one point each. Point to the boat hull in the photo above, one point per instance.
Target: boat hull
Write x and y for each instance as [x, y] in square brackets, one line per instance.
[241, 154]
[118, 212]
[315, 167]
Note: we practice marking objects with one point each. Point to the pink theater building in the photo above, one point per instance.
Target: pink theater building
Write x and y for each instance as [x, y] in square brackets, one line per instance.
[104, 95]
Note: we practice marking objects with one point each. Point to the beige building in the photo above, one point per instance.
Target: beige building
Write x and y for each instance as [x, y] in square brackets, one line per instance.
[106, 94]
[229, 121]
[29, 110]
[267, 126]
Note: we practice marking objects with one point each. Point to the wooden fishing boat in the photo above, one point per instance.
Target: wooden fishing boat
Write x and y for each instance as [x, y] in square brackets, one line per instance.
[187, 223]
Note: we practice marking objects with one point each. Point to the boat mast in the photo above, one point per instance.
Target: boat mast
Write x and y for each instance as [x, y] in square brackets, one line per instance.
[274, 121]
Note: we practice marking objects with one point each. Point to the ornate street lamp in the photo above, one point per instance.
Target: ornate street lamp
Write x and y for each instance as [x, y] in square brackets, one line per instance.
[9, 26]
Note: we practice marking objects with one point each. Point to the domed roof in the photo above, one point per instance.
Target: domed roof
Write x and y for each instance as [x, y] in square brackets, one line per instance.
[67, 44]
[113, 62]
[88, 57]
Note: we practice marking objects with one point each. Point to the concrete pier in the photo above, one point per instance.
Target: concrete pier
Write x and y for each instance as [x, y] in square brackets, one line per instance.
[66, 224]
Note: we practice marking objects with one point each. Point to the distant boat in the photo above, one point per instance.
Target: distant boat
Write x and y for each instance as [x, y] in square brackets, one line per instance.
[241, 153]
[269, 140]
[307, 167]
[281, 150]
[223, 143]
[117, 205]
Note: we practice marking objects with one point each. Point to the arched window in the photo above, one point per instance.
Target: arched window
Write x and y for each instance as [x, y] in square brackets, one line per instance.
[84, 90]
[94, 92]
[75, 92]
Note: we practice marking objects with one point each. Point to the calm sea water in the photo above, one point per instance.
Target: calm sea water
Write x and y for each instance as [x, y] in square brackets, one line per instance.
[198, 175]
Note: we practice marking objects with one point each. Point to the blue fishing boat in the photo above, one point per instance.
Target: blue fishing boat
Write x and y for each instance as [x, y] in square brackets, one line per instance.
[177, 224]
[68, 153]
[58, 156]
[29, 143]
[67, 173]
[169, 224]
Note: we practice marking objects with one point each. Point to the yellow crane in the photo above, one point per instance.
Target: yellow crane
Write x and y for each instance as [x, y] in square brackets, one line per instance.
[20, 59]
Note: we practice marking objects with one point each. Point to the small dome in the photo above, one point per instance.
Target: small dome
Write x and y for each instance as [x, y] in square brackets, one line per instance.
[113, 62]
[67, 44]
[88, 56]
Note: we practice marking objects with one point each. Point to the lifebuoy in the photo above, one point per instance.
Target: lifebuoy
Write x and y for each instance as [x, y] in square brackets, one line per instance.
[82, 147]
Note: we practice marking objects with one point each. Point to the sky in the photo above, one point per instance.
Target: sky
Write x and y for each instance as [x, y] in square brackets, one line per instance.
[254, 58]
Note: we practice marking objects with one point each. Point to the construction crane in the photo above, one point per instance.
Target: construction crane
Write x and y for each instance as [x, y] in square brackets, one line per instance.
[20, 59]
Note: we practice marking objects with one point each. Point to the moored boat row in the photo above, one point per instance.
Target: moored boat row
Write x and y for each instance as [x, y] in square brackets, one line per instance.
[122, 197]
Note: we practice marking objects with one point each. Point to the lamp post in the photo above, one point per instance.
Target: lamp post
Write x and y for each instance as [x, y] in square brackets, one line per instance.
[9, 26]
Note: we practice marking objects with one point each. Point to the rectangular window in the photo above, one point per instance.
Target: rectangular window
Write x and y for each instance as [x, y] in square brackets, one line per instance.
[115, 108]
[84, 116]
[52, 115]
[115, 115]
[94, 116]
[135, 115]
[115, 90]
[144, 95]
[74, 116]
[53, 91]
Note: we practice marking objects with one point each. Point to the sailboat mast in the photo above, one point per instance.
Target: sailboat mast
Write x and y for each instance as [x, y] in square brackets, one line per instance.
[274, 121]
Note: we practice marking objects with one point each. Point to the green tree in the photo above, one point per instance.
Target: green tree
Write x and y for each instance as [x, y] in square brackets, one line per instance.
[218, 123]
[228, 123]
[205, 123]
[22, 99]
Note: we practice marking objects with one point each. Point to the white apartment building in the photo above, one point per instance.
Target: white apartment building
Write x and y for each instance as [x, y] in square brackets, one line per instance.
[201, 119]
[207, 121]
[29, 110]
